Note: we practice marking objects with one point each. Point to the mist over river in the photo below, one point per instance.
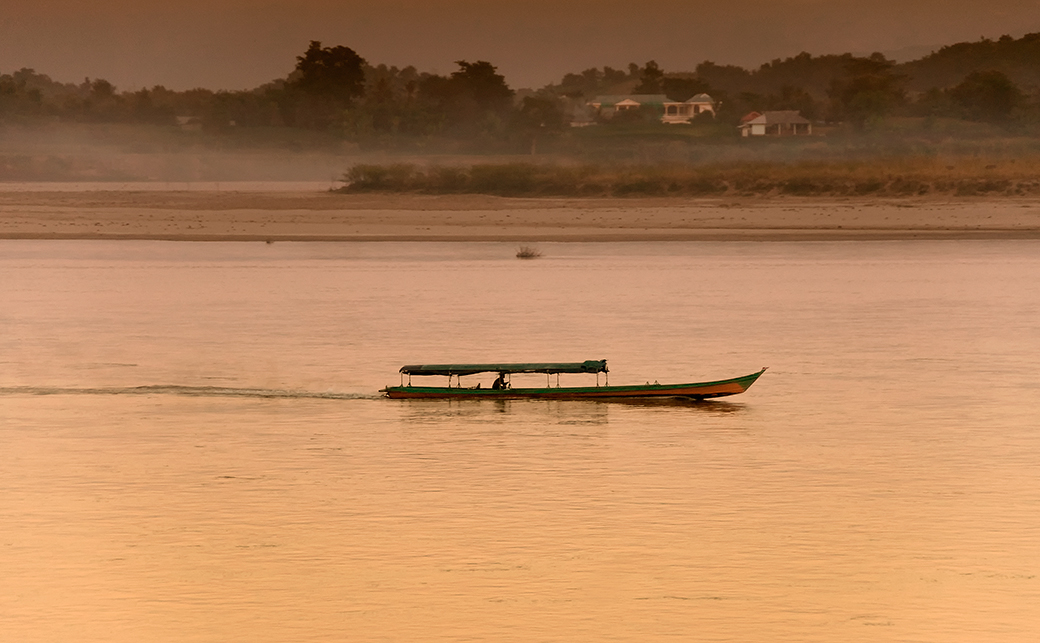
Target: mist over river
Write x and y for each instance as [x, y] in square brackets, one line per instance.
[194, 448]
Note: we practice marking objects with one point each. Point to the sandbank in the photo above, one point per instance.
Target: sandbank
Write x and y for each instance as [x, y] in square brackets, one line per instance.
[324, 216]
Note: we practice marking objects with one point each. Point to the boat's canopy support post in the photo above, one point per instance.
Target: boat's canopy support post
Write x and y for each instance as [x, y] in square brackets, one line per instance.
[557, 380]
[546, 380]
[402, 379]
[597, 378]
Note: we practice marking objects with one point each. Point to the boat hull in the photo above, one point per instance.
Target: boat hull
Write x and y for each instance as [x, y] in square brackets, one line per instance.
[695, 391]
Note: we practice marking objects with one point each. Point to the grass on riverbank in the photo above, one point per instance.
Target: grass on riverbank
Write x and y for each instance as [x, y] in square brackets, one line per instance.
[901, 177]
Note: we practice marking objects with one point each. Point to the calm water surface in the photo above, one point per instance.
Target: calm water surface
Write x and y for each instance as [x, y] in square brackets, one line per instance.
[193, 448]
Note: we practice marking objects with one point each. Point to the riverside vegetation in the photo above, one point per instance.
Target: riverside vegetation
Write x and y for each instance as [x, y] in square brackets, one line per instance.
[895, 177]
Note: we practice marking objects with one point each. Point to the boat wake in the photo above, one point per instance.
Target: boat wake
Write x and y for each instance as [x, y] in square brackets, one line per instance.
[190, 391]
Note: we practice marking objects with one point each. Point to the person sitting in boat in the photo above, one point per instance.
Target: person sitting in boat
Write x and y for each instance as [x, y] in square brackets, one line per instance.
[500, 383]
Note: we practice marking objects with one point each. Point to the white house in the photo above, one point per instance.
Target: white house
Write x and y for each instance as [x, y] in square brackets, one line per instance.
[607, 106]
[671, 111]
[682, 112]
[780, 123]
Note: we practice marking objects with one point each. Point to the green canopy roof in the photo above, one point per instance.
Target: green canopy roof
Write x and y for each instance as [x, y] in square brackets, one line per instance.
[589, 366]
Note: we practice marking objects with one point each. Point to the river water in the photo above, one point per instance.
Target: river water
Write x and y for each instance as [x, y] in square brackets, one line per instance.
[194, 448]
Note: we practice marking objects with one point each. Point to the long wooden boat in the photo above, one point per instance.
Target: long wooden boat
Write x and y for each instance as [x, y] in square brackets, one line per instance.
[503, 390]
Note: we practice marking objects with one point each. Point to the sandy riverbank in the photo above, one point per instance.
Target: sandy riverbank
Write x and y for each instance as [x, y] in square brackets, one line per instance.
[322, 216]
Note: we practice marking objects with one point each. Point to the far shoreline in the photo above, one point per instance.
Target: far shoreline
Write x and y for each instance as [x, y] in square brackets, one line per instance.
[313, 216]
[762, 236]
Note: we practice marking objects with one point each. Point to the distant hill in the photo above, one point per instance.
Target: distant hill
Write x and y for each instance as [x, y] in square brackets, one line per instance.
[1018, 59]
[943, 68]
[906, 54]
[814, 74]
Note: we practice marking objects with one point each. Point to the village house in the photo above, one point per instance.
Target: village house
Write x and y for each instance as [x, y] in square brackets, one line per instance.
[608, 106]
[672, 112]
[682, 112]
[779, 123]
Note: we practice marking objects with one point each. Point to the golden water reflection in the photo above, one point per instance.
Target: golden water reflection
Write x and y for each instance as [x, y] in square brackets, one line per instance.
[193, 449]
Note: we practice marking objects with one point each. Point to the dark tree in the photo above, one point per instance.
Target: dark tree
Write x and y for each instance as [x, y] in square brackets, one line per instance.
[474, 100]
[649, 79]
[869, 91]
[791, 97]
[325, 83]
[728, 78]
[16, 97]
[681, 89]
[382, 104]
[101, 88]
[585, 84]
[538, 116]
[987, 96]
[589, 83]
[333, 73]
[480, 82]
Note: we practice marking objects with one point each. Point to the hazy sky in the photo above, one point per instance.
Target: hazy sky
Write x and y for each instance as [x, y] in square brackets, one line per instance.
[235, 44]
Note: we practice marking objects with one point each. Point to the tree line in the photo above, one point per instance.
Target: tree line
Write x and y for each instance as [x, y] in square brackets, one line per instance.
[333, 89]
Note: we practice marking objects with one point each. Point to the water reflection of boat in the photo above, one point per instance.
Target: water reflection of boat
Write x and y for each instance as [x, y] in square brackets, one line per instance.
[502, 389]
[534, 415]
